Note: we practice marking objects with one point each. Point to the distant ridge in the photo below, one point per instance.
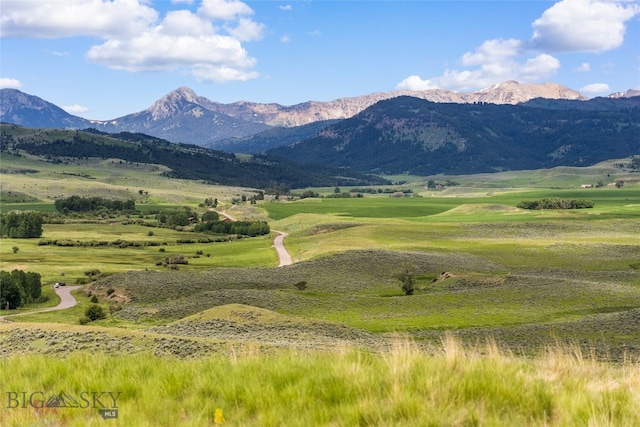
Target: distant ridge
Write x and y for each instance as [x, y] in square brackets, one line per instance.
[22, 109]
[185, 117]
[627, 94]
[509, 92]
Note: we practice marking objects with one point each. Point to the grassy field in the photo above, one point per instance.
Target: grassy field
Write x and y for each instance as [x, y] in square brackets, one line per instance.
[401, 386]
[556, 292]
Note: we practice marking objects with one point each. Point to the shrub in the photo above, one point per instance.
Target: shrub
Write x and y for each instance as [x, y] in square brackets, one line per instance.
[93, 273]
[555, 203]
[406, 277]
[113, 308]
[94, 299]
[95, 312]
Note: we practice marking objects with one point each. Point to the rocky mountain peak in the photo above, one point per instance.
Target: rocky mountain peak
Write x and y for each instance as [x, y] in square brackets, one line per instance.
[13, 97]
[173, 103]
[512, 92]
[28, 110]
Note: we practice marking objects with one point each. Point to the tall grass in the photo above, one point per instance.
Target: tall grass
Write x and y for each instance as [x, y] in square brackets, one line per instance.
[402, 386]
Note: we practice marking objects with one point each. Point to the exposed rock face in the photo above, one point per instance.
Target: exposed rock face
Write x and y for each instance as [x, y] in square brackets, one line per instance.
[628, 94]
[509, 92]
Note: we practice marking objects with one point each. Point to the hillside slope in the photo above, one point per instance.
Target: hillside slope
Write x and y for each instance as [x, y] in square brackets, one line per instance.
[410, 135]
[185, 161]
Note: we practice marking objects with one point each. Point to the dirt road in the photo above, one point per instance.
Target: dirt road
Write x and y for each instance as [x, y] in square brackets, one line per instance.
[66, 301]
[278, 242]
[283, 254]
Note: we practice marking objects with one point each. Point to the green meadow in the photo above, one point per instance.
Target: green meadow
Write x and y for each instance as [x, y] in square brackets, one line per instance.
[518, 317]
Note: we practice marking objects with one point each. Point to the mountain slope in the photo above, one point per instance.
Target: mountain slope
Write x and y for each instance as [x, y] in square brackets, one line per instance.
[27, 110]
[412, 135]
[270, 138]
[185, 161]
[184, 117]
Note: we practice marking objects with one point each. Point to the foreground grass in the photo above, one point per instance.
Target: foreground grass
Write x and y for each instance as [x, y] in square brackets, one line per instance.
[347, 387]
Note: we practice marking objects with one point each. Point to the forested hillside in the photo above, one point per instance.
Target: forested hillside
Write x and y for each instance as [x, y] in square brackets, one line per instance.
[412, 135]
[185, 161]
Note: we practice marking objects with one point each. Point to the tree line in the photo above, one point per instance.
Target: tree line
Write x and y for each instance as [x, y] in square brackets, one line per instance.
[244, 228]
[21, 225]
[19, 288]
[88, 204]
[555, 203]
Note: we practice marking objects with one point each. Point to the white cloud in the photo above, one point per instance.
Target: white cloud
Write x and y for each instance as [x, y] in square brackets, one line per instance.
[182, 23]
[286, 7]
[215, 54]
[224, 9]
[568, 25]
[596, 88]
[493, 62]
[135, 39]
[285, 39]
[492, 51]
[536, 69]
[247, 30]
[583, 25]
[219, 74]
[75, 109]
[52, 19]
[6, 82]
[56, 53]
[532, 70]
[415, 83]
[583, 68]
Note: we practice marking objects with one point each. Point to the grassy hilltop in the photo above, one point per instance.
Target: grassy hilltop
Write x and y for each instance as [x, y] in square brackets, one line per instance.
[518, 317]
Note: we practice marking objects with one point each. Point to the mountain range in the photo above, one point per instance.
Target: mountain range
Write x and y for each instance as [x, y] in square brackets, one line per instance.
[508, 126]
[184, 117]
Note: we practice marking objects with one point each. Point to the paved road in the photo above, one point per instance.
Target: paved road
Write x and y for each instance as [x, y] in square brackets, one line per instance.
[283, 254]
[66, 301]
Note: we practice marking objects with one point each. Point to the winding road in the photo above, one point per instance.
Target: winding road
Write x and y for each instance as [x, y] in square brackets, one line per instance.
[66, 301]
[278, 242]
[283, 254]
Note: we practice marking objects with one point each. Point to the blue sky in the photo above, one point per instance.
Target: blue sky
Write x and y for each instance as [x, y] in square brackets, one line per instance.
[102, 59]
